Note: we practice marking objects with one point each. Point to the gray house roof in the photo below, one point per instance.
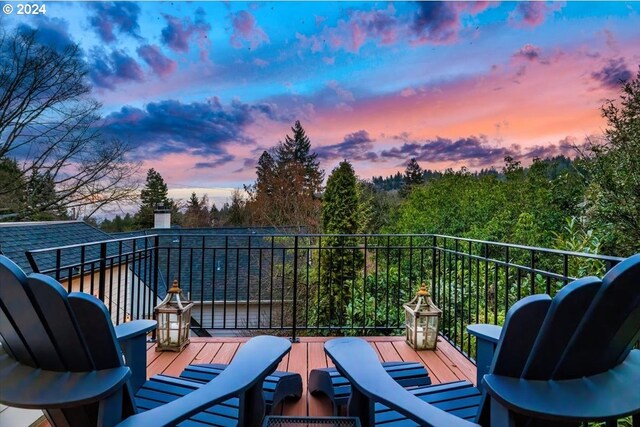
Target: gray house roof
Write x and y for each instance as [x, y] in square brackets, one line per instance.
[18, 237]
[217, 264]
[210, 263]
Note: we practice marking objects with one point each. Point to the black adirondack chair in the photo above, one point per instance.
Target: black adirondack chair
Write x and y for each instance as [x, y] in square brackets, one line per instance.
[555, 362]
[62, 354]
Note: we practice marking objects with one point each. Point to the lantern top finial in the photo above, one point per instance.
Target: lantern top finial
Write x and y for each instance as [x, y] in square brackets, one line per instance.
[423, 291]
[175, 288]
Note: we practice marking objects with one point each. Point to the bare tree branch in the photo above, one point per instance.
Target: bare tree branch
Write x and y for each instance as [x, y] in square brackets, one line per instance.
[50, 125]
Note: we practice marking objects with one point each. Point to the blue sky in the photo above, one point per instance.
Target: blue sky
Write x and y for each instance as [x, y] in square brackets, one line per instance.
[202, 88]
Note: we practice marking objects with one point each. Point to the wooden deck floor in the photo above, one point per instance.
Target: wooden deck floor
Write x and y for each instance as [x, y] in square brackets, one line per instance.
[444, 365]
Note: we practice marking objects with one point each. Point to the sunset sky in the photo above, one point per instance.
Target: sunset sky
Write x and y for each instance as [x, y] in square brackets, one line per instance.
[202, 88]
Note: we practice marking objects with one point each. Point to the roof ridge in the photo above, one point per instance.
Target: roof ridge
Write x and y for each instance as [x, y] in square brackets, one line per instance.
[31, 223]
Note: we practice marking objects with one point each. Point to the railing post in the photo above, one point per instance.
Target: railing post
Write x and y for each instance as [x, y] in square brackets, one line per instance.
[154, 297]
[433, 266]
[33, 264]
[294, 338]
[102, 275]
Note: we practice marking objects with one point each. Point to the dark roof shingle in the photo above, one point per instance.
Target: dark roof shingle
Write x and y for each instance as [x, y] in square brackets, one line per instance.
[18, 237]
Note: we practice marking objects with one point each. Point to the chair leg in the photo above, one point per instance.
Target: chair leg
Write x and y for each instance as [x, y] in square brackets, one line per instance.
[362, 407]
[252, 407]
[135, 355]
[110, 409]
[501, 416]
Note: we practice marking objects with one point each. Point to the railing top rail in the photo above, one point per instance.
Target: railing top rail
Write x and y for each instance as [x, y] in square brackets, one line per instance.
[534, 248]
[94, 243]
[178, 233]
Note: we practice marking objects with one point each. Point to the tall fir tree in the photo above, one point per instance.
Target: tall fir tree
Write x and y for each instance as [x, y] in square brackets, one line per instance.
[264, 173]
[413, 175]
[154, 194]
[341, 214]
[197, 212]
[297, 149]
[237, 209]
[288, 184]
[340, 201]
[214, 216]
[12, 203]
[614, 173]
[41, 198]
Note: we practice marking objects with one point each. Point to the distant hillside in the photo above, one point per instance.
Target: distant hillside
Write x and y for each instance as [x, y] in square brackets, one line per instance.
[555, 166]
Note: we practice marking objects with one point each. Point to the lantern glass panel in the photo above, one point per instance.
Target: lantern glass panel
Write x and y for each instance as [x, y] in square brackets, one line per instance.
[422, 320]
[174, 318]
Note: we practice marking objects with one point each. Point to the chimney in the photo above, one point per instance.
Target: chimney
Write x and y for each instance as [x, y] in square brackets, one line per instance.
[162, 217]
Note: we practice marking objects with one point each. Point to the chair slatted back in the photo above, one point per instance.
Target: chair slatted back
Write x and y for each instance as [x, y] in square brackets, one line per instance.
[44, 327]
[51, 299]
[560, 323]
[23, 333]
[609, 328]
[96, 327]
[519, 332]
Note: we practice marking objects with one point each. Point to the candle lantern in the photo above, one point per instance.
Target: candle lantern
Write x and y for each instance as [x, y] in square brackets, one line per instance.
[422, 321]
[174, 319]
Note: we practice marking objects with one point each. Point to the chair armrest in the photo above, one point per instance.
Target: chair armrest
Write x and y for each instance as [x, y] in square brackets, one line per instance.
[32, 388]
[487, 337]
[355, 359]
[132, 337]
[252, 363]
[129, 330]
[611, 394]
[483, 331]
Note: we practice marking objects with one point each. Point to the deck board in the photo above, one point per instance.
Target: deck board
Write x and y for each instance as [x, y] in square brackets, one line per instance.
[444, 365]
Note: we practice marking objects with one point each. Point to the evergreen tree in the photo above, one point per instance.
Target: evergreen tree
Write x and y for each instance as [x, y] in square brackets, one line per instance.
[214, 216]
[155, 191]
[297, 149]
[264, 173]
[154, 194]
[237, 212]
[288, 182]
[41, 198]
[197, 213]
[13, 203]
[341, 214]
[340, 201]
[413, 175]
[614, 167]
[118, 224]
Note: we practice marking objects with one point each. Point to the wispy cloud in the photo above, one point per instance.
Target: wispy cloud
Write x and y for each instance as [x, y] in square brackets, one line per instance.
[53, 32]
[613, 74]
[355, 146]
[159, 63]
[178, 33]
[246, 31]
[107, 71]
[473, 151]
[118, 16]
[198, 128]
[533, 13]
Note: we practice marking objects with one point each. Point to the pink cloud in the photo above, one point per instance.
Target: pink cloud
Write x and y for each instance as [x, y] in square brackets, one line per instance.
[178, 33]
[352, 33]
[260, 62]
[533, 13]
[245, 30]
[440, 22]
[528, 52]
[159, 63]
